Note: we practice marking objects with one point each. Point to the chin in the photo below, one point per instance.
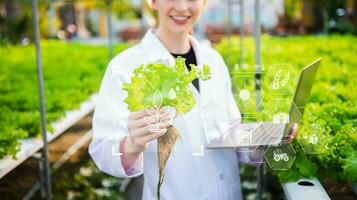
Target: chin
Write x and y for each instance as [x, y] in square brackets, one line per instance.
[179, 29]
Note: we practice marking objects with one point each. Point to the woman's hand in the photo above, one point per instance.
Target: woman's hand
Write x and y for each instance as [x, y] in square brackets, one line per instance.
[256, 154]
[293, 133]
[145, 126]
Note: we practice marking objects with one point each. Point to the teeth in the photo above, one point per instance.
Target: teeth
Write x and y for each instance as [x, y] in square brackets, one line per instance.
[180, 17]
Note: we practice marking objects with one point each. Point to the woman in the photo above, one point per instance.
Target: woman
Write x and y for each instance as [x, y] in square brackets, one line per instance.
[123, 145]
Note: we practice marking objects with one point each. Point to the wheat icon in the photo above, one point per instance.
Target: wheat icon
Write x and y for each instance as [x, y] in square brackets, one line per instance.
[276, 81]
[285, 80]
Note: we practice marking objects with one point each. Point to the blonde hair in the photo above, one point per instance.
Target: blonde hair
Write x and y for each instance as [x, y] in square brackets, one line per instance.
[150, 14]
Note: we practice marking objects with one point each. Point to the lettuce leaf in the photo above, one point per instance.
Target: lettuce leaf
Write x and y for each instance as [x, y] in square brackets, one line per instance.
[159, 85]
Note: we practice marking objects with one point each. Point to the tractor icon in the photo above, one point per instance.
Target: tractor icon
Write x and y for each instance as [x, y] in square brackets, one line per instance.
[279, 155]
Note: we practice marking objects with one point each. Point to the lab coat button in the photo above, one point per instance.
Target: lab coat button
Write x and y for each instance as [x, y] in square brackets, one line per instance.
[221, 176]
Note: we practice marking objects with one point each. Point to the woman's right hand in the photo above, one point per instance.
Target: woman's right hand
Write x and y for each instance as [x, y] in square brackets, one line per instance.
[141, 125]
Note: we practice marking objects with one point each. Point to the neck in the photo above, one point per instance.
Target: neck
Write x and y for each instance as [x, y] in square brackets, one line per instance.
[175, 43]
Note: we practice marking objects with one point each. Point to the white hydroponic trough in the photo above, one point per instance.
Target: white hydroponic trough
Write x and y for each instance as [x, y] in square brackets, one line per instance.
[31, 145]
[305, 189]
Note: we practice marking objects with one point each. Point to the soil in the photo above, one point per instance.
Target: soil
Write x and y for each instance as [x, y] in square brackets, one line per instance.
[338, 191]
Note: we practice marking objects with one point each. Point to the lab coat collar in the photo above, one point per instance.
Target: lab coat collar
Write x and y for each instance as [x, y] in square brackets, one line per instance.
[157, 52]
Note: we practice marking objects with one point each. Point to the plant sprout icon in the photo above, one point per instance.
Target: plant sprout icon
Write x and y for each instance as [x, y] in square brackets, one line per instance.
[281, 117]
[280, 156]
[277, 82]
[154, 113]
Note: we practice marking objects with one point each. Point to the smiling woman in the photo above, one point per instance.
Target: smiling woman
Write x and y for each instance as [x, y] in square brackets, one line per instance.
[211, 174]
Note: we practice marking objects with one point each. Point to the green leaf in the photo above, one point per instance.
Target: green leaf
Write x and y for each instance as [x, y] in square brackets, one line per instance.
[159, 85]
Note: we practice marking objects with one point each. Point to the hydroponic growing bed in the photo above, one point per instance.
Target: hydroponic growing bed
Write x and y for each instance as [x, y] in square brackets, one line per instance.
[72, 73]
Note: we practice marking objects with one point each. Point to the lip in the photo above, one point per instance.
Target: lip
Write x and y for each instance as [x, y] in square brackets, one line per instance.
[180, 20]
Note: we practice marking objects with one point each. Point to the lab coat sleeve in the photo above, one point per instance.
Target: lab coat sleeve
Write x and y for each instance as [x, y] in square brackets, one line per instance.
[245, 155]
[110, 126]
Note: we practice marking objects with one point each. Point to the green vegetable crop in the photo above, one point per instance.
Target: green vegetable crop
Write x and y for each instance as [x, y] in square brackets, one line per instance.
[171, 82]
[157, 85]
[72, 72]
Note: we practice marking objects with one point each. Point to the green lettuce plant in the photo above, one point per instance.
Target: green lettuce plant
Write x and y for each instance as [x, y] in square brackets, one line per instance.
[157, 85]
[171, 82]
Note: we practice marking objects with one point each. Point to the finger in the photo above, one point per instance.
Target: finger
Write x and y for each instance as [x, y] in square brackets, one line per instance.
[139, 114]
[139, 132]
[134, 124]
[135, 115]
[153, 111]
[152, 119]
[163, 109]
[165, 116]
[146, 130]
[158, 127]
[152, 136]
[296, 127]
[160, 115]
[294, 130]
[156, 114]
[290, 139]
[165, 121]
[155, 119]
[147, 120]
[293, 133]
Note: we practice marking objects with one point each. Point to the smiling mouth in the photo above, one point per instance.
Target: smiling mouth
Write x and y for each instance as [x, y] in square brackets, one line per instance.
[180, 19]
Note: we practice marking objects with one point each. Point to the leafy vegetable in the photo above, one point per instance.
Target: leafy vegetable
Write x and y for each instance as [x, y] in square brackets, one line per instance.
[158, 85]
[171, 82]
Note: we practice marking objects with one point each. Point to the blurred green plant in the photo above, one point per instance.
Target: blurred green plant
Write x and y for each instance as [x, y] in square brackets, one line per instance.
[122, 8]
[72, 72]
[16, 16]
[292, 9]
[332, 103]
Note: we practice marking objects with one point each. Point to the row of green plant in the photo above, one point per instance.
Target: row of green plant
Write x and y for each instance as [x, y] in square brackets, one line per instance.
[332, 105]
[72, 72]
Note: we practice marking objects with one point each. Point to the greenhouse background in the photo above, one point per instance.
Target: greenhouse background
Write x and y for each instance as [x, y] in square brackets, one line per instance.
[53, 80]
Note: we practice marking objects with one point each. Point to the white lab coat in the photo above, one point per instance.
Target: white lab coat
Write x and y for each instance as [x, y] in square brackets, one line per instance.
[192, 172]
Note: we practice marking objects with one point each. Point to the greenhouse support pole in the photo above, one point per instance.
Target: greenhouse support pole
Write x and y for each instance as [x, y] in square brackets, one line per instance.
[241, 32]
[227, 31]
[109, 27]
[229, 22]
[260, 169]
[46, 169]
[50, 16]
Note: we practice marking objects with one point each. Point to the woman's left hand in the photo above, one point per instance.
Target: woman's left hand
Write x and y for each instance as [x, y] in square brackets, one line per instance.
[256, 154]
[293, 133]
